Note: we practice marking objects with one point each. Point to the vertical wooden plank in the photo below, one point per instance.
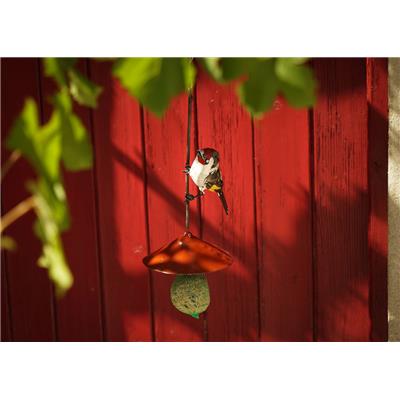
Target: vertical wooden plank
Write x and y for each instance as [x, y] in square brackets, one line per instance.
[29, 285]
[224, 125]
[165, 142]
[341, 201]
[377, 92]
[121, 210]
[6, 333]
[282, 158]
[79, 311]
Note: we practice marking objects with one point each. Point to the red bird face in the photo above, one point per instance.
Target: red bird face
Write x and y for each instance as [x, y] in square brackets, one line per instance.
[204, 155]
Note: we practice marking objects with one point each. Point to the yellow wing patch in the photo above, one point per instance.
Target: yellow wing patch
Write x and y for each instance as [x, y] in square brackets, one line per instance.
[213, 188]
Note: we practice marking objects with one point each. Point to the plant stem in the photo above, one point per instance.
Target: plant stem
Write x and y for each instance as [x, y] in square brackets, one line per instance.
[14, 157]
[18, 211]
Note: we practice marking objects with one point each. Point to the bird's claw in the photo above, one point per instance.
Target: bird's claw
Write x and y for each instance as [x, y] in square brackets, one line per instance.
[186, 170]
[189, 197]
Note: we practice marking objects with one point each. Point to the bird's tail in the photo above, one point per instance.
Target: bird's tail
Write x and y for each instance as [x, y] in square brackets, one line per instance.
[223, 200]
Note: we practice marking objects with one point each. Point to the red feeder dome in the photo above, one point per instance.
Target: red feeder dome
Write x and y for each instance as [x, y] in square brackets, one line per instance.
[188, 255]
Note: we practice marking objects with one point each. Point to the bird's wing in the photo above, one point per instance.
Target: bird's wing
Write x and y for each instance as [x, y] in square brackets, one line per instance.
[214, 179]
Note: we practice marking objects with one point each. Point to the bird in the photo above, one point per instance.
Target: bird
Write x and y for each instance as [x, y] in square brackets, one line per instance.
[206, 174]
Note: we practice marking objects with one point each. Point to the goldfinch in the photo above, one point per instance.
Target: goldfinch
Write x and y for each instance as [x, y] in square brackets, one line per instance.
[206, 174]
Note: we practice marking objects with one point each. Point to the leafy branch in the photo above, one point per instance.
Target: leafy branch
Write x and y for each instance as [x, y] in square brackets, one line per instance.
[154, 82]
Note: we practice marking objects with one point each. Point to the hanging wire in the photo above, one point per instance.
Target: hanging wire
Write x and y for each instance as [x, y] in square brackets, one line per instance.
[187, 166]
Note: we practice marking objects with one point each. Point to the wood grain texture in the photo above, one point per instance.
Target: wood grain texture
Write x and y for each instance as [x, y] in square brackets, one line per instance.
[307, 226]
[341, 201]
[377, 96]
[28, 285]
[165, 144]
[224, 125]
[6, 332]
[121, 210]
[282, 157]
[79, 311]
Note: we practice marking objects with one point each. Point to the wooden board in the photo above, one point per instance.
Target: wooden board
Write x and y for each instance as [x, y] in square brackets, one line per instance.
[282, 157]
[6, 333]
[307, 227]
[29, 288]
[224, 125]
[79, 311]
[120, 183]
[165, 144]
[341, 201]
[377, 95]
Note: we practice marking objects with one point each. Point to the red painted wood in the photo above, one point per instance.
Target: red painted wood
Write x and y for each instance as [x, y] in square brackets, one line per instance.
[377, 95]
[224, 125]
[29, 288]
[121, 210]
[165, 143]
[282, 156]
[6, 334]
[79, 311]
[341, 201]
[136, 189]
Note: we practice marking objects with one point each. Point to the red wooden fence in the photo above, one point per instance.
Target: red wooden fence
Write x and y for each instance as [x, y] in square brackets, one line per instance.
[307, 229]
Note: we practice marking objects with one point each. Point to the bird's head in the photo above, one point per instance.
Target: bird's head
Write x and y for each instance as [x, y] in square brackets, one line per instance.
[204, 155]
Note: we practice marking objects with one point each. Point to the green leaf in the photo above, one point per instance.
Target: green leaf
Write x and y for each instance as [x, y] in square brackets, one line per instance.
[265, 79]
[48, 228]
[189, 73]
[226, 69]
[213, 67]
[57, 68]
[56, 199]
[41, 145]
[233, 68]
[83, 90]
[134, 73]
[76, 145]
[155, 81]
[53, 259]
[7, 243]
[296, 82]
[24, 128]
[257, 94]
[293, 60]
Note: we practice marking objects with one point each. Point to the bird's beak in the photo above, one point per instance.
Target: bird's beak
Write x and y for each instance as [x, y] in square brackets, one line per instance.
[199, 153]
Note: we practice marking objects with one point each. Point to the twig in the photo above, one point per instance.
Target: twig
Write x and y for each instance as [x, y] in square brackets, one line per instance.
[14, 157]
[18, 211]
[190, 98]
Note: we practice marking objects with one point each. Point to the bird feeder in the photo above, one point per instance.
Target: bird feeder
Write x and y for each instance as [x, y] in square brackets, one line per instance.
[188, 255]
[189, 258]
